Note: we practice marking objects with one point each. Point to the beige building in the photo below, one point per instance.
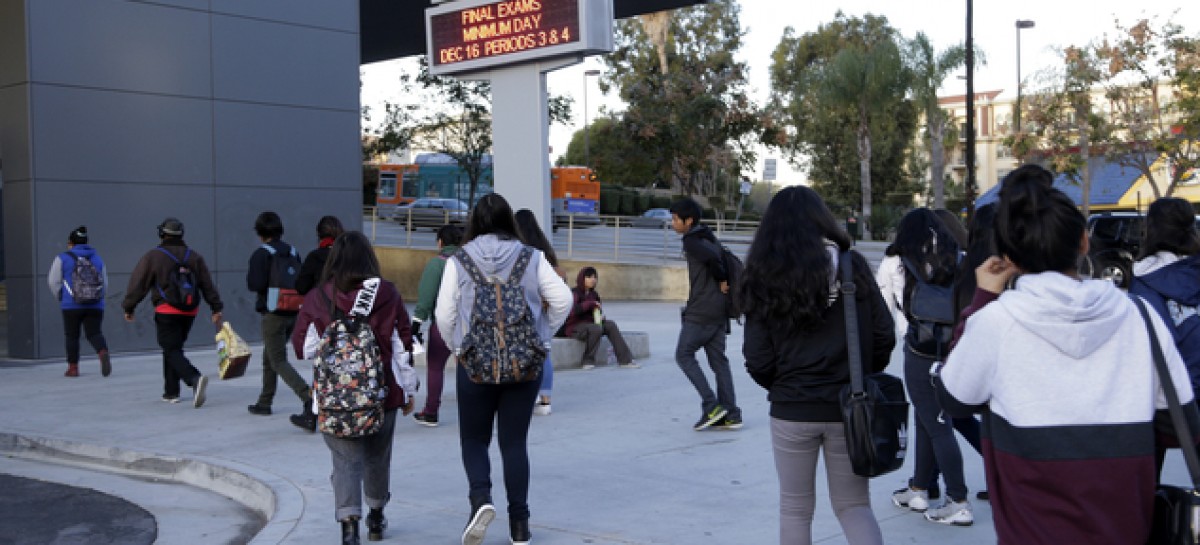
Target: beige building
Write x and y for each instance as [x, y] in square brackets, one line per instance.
[993, 123]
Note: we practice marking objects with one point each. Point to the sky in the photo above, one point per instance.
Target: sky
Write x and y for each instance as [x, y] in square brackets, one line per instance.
[1058, 23]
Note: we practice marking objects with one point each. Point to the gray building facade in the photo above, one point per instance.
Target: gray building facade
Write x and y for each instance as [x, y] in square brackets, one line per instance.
[118, 113]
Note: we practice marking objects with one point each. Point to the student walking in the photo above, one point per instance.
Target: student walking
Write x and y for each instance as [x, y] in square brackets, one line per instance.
[795, 348]
[361, 465]
[705, 321]
[1167, 276]
[176, 278]
[328, 229]
[79, 280]
[531, 233]
[449, 237]
[268, 265]
[494, 251]
[587, 322]
[1064, 367]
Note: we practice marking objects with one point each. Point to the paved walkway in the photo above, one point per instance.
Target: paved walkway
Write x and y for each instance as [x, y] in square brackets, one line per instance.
[617, 462]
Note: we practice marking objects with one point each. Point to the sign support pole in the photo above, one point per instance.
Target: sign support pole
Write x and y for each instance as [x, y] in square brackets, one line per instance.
[521, 135]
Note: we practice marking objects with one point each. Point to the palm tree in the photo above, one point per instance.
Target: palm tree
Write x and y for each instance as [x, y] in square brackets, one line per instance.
[862, 80]
[929, 70]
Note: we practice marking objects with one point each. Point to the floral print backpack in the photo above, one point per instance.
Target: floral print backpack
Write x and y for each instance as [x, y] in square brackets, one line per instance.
[350, 387]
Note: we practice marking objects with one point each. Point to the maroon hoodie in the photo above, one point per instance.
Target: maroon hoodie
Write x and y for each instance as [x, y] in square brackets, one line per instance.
[585, 302]
[387, 313]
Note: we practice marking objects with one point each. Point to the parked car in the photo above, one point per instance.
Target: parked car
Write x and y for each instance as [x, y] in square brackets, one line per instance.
[1115, 240]
[654, 218]
[432, 212]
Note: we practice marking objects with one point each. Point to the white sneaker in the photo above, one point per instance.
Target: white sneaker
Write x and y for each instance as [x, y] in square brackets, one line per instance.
[199, 396]
[917, 500]
[630, 365]
[957, 513]
[588, 366]
[541, 409]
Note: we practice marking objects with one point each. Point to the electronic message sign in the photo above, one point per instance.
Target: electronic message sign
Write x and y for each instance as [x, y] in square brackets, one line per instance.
[471, 35]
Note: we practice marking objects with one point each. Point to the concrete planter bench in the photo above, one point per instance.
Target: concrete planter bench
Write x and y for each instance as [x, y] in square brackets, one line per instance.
[567, 353]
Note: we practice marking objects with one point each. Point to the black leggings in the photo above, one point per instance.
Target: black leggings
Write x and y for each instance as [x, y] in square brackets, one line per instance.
[90, 319]
[510, 407]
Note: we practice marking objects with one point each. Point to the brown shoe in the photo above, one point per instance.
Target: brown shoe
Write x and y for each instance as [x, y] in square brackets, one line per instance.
[105, 363]
[72, 370]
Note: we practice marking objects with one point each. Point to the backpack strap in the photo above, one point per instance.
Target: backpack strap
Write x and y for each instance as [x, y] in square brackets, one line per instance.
[916, 271]
[172, 256]
[469, 264]
[518, 270]
[270, 249]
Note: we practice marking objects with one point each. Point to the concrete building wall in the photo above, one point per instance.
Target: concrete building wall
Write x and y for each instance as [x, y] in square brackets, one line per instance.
[118, 113]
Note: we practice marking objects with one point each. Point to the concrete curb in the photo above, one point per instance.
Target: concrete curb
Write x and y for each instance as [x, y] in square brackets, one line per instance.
[276, 500]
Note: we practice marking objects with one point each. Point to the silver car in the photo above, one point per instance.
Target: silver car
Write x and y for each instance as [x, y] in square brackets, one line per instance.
[654, 218]
[432, 212]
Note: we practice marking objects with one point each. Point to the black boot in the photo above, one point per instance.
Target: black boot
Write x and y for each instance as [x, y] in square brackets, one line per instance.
[376, 523]
[350, 531]
[306, 420]
[518, 529]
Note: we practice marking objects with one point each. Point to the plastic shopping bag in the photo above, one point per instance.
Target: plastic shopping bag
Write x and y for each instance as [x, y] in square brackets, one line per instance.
[233, 352]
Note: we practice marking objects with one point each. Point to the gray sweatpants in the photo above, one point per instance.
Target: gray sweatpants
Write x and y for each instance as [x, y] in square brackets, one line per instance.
[362, 465]
[796, 446]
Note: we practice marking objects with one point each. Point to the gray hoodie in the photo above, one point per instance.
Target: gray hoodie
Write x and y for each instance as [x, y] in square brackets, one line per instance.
[495, 257]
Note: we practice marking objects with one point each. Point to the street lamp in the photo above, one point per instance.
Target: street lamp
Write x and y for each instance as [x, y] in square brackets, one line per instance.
[1021, 23]
[587, 152]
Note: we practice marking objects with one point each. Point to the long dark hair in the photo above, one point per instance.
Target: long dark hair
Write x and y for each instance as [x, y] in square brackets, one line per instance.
[492, 215]
[788, 267]
[924, 241]
[981, 245]
[1171, 227]
[531, 233]
[351, 260]
[1038, 227]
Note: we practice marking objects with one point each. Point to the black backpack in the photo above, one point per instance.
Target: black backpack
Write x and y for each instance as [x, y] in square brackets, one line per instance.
[733, 273]
[180, 290]
[931, 308]
[281, 284]
[86, 285]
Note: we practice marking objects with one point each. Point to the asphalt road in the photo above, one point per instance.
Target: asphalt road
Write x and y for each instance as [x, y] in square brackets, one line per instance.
[34, 512]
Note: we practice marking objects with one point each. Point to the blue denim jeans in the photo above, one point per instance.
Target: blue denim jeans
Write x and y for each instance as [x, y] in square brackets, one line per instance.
[362, 464]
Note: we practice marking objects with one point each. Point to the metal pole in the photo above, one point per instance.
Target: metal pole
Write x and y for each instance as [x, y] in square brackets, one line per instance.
[970, 45]
[1021, 24]
[1017, 113]
[587, 148]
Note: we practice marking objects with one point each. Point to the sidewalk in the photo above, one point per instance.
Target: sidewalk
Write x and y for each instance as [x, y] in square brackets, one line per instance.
[617, 462]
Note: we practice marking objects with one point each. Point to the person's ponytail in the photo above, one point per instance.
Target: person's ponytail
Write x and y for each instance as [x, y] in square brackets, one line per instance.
[1037, 226]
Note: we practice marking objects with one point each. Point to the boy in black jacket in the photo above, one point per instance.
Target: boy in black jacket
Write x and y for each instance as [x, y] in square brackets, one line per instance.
[705, 319]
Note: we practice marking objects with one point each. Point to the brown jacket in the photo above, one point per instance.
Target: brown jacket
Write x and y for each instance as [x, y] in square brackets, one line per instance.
[151, 274]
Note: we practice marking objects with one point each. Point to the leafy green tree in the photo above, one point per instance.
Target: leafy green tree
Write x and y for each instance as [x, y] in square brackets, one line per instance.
[929, 69]
[696, 118]
[1060, 120]
[1150, 73]
[616, 158]
[839, 96]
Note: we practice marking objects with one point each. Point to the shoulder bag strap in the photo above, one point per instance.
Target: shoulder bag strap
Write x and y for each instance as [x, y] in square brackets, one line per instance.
[853, 348]
[1186, 442]
[917, 273]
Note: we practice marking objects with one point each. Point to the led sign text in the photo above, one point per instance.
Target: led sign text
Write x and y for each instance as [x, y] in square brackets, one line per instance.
[502, 28]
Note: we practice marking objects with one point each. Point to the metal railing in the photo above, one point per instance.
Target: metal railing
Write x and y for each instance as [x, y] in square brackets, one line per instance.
[608, 238]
